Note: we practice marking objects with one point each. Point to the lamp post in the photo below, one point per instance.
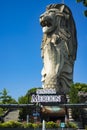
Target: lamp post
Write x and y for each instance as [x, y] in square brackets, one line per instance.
[27, 117]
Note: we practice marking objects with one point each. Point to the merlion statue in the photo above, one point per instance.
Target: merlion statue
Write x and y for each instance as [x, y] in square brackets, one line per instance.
[59, 47]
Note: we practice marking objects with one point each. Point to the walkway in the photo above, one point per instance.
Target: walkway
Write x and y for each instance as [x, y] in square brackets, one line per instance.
[12, 115]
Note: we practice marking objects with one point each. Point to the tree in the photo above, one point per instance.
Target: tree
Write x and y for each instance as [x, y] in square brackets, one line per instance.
[5, 98]
[26, 100]
[75, 98]
[74, 94]
[84, 4]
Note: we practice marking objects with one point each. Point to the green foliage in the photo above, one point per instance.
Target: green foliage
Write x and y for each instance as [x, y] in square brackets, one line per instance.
[25, 100]
[11, 124]
[29, 93]
[5, 98]
[29, 125]
[35, 125]
[33, 90]
[1, 111]
[86, 127]
[85, 13]
[81, 87]
[74, 98]
[23, 111]
[75, 88]
[84, 4]
[79, 0]
[32, 125]
[51, 124]
[74, 94]
[71, 125]
[83, 1]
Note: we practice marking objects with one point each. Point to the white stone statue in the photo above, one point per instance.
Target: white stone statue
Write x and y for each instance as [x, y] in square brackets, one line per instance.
[59, 47]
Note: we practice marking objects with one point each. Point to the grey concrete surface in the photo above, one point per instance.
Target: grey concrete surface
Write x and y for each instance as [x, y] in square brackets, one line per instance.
[12, 115]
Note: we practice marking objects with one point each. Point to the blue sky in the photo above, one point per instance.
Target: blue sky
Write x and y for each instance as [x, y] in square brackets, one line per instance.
[20, 41]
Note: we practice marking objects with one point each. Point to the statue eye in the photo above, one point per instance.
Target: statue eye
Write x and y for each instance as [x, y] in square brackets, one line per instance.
[52, 11]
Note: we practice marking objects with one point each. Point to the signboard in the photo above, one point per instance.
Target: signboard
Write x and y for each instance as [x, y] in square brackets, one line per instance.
[36, 114]
[47, 96]
[46, 91]
[62, 125]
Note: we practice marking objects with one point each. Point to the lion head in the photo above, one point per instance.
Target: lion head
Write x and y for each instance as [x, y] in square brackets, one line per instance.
[48, 21]
[54, 17]
[58, 20]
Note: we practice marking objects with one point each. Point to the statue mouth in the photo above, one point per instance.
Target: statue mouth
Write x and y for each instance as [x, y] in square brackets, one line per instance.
[46, 23]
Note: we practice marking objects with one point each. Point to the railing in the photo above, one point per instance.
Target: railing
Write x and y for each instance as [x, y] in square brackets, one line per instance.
[39, 129]
[81, 105]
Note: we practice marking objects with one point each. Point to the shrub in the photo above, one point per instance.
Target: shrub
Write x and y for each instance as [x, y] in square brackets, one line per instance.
[33, 125]
[86, 127]
[29, 125]
[1, 112]
[51, 124]
[11, 124]
[37, 125]
[71, 125]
